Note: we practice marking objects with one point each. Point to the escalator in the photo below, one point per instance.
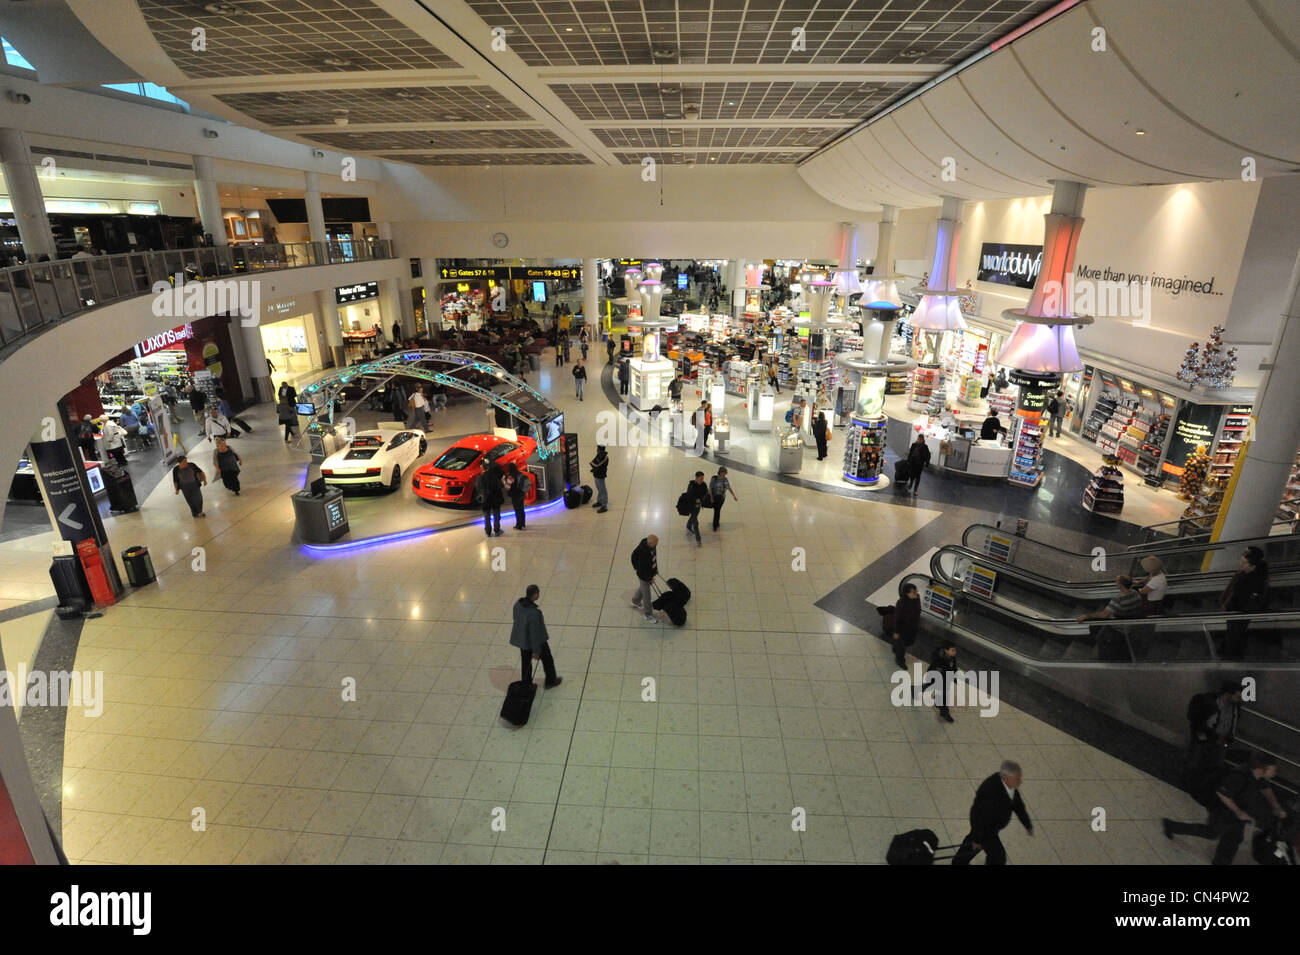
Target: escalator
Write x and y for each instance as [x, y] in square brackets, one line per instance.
[1044, 581]
[1013, 601]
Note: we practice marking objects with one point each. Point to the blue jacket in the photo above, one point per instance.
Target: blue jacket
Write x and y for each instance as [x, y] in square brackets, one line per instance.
[529, 630]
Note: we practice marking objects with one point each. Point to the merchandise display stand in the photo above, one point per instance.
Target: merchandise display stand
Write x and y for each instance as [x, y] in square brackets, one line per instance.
[1026, 442]
[1104, 493]
[1289, 508]
[864, 441]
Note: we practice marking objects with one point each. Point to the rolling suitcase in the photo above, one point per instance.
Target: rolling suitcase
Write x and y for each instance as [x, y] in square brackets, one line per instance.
[680, 589]
[914, 847]
[518, 704]
[572, 498]
[586, 492]
[671, 603]
[121, 492]
[901, 474]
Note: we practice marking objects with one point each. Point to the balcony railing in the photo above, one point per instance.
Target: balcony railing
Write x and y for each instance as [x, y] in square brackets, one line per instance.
[38, 295]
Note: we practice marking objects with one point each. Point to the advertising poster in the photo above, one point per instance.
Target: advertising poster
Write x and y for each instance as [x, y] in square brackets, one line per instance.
[1193, 425]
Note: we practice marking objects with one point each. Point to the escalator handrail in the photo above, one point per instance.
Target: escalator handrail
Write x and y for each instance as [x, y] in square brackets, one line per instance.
[1050, 623]
[991, 563]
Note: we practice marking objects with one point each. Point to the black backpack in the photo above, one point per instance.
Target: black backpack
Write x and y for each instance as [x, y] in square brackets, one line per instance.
[684, 505]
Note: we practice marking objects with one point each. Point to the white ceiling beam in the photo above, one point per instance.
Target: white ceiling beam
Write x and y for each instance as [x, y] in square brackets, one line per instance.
[678, 73]
[841, 123]
[474, 150]
[419, 127]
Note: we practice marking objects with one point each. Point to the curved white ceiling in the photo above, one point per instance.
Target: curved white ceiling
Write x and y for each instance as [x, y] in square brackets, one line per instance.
[1210, 82]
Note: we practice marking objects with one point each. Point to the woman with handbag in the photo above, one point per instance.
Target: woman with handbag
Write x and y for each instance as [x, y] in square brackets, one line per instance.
[821, 433]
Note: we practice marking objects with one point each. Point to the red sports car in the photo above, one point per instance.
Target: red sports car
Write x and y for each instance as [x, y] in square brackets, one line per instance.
[451, 478]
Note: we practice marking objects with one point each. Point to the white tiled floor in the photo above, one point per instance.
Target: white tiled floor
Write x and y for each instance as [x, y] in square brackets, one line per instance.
[225, 694]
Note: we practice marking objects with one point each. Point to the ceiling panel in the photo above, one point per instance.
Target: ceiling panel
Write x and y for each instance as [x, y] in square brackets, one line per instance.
[712, 137]
[287, 36]
[443, 139]
[713, 157]
[494, 159]
[388, 105]
[786, 100]
[621, 32]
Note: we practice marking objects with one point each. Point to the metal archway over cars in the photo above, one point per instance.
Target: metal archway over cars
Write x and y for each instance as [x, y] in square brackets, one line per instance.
[465, 371]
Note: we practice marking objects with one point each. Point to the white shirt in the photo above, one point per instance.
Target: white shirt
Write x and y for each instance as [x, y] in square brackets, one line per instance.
[1156, 587]
[419, 401]
[113, 434]
[1011, 793]
[216, 426]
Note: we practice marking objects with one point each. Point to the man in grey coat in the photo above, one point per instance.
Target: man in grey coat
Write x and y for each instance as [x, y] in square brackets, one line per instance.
[530, 636]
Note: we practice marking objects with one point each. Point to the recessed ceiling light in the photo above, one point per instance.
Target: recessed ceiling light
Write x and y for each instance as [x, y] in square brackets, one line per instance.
[451, 117]
[222, 9]
[911, 53]
[731, 102]
[404, 94]
[664, 52]
[1139, 132]
[568, 29]
[914, 27]
[337, 61]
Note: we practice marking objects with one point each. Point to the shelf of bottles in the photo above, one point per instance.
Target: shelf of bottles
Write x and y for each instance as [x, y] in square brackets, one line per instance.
[864, 449]
[1002, 404]
[1104, 493]
[1151, 450]
[1289, 509]
[924, 382]
[1232, 436]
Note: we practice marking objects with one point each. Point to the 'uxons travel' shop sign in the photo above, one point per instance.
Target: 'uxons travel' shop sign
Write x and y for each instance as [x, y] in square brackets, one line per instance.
[167, 339]
[1016, 265]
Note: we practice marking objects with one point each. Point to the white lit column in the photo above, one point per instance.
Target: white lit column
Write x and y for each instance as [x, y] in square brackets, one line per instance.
[24, 189]
[737, 285]
[209, 200]
[329, 324]
[1275, 438]
[315, 211]
[591, 293]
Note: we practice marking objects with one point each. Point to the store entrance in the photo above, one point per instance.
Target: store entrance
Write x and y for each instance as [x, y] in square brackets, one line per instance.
[290, 347]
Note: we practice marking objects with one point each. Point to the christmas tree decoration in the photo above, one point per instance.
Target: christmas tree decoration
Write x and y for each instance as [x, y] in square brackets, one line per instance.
[1194, 471]
[1215, 366]
[1190, 372]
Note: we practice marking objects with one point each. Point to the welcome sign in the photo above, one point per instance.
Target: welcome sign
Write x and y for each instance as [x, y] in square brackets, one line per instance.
[1004, 264]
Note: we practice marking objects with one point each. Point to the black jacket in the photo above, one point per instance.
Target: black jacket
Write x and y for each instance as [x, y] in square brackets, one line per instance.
[918, 457]
[599, 465]
[1203, 717]
[579, 371]
[624, 371]
[645, 560]
[698, 493]
[992, 810]
[491, 494]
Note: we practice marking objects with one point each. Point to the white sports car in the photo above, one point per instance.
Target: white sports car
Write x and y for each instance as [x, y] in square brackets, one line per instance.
[374, 459]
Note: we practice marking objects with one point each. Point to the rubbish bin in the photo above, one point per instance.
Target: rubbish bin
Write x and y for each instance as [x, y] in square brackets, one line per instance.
[70, 585]
[535, 362]
[139, 566]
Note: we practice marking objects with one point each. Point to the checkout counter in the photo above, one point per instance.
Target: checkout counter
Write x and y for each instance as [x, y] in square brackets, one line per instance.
[955, 446]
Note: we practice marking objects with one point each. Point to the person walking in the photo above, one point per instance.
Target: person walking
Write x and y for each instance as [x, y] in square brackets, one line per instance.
[85, 436]
[645, 561]
[287, 414]
[198, 402]
[226, 463]
[559, 350]
[584, 340]
[566, 342]
[703, 421]
[942, 662]
[624, 375]
[1212, 720]
[115, 441]
[995, 800]
[528, 633]
[697, 496]
[675, 392]
[1055, 412]
[609, 350]
[918, 459]
[492, 496]
[579, 377]
[719, 488]
[905, 623]
[516, 488]
[1242, 797]
[397, 333]
[599, 466]
[287, 392]
[417, 407]
[188, 479]
[821, 434]
[774, 375]
[216, 427]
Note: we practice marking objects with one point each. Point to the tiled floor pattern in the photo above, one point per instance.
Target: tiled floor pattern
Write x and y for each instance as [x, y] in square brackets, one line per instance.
[225, 692]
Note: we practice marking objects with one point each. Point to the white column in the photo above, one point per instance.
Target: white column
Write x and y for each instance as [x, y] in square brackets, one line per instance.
[259, 375]
[591, 293]
[1276, 436]
[24, 187]
[884, 265]
[209, 200]
[328, 310]
[737, 286]
[315, 212]
[848, 246]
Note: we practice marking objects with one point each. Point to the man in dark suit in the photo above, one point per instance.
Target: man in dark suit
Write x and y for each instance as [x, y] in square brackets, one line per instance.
[996, 799]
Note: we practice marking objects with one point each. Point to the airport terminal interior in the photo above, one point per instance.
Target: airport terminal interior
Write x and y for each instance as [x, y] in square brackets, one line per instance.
[650, 432]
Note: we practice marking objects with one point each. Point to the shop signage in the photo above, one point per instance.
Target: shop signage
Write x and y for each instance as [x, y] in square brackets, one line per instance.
[66, 490]
[1004, 264]
[1034, 379]
[166, 340]
[355, 293]
[1174, 285]
[1031, 401]
[1127, 387]
[416, 268]
[572, 465]
[1195, 425]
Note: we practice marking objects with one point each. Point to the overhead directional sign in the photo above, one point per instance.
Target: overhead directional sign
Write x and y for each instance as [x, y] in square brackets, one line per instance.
[455, 273]
[501, 273]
